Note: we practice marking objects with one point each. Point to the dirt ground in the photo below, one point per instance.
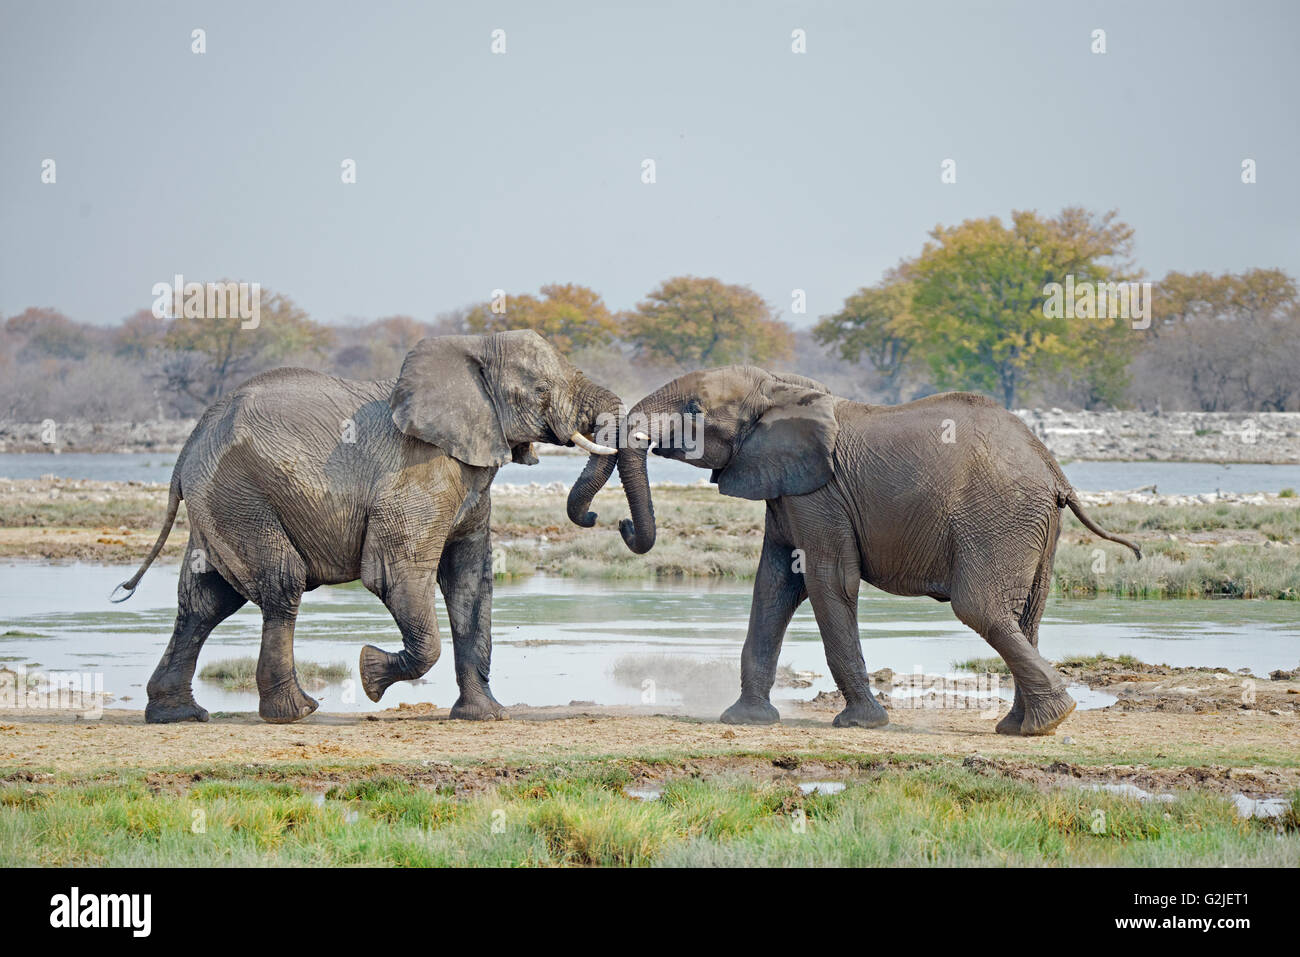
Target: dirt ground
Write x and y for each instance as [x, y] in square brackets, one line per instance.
[1244, 750]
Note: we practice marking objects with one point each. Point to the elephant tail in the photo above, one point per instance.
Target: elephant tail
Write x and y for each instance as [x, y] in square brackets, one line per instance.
[1072, 500]
[125, 590]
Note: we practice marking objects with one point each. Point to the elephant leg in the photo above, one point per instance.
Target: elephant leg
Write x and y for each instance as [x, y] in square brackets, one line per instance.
[833, 578]
[465, 576]
[778, 591]
[204, 600]
[282, 699]
[1042, 691]
[1030, 617]
[408, 591]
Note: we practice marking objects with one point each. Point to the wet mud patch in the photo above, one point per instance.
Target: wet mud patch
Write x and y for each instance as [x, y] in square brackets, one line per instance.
[1256, 783]
[1138, 686]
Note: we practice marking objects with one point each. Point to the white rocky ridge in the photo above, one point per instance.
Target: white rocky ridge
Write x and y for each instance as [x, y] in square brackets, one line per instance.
[1262, 437]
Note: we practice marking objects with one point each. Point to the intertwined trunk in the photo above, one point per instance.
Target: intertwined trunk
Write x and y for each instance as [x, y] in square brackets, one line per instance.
[639, 531]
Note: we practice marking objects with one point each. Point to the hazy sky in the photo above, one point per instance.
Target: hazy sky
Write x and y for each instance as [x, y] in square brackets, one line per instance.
[478, 171]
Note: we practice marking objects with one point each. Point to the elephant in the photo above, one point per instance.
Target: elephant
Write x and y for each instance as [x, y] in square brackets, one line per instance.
[297, 479]
[949, 496]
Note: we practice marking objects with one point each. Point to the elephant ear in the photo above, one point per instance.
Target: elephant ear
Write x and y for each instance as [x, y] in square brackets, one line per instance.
[442, 398]
[789, 449]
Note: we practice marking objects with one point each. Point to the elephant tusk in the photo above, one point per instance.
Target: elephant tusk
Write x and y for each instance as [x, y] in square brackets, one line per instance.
[641, 437]
[582, 442]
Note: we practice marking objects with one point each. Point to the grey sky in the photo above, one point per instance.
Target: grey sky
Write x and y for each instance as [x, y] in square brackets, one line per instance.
[477, 171]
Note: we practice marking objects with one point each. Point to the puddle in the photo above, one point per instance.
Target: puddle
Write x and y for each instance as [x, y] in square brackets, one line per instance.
[1132, 791]
[1261, 807]
[654, 792]
[974, 692]
[821, 787]
[1246, 807]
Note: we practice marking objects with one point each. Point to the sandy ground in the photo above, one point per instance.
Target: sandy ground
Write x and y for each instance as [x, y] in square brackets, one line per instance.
[1250, 751]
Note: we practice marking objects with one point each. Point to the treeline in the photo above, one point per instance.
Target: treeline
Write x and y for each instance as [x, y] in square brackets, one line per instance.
[981, 308]
[1028, 312]
[150, 367]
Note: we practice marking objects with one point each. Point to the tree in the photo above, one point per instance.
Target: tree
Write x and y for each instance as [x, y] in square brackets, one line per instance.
[210, 355]
[139, 335]
[688, 321]
[876, 324]
[49, 334]
[570, 317]
[978, 296]
[1224, 342]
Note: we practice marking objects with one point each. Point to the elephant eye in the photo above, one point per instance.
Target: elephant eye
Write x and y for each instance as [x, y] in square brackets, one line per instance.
[693, 407]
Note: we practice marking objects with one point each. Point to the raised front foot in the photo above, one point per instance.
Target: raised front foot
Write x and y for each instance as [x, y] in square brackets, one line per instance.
[1044, 712]
[166, 709]
[746, 711]
[379, 669]
[866, 713]
[286, 704]
[478, 707]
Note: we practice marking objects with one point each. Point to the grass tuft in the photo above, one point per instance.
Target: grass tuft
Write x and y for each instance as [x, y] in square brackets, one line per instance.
[240, 674]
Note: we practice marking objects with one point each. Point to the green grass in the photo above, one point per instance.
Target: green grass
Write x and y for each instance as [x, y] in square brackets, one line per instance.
[1092, 661]
[1171, 570]
[240, 674]
[936, 814]
[982, 666]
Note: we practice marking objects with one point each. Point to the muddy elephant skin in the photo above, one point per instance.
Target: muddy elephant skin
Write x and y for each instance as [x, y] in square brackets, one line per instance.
[297, 479]
[950, 496]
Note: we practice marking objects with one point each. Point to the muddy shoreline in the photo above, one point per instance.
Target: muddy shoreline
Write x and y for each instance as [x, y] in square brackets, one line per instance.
[1221, 717]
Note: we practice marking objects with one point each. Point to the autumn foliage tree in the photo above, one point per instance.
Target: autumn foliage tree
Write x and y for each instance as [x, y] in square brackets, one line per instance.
[206, 356]
[692, 322]
[1222, 342]
[570, 317]
[969, 309]
[876, 325]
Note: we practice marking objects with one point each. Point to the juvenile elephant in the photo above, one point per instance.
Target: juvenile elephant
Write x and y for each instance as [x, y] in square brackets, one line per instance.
[950, 496]
[297, 479]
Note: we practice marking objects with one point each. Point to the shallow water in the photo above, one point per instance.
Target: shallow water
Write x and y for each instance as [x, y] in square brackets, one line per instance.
[1172, 478]
[559, 641]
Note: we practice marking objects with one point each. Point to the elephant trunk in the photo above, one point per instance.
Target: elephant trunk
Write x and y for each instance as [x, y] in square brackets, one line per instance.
[597, 412]
[639, 531]
[592, 480]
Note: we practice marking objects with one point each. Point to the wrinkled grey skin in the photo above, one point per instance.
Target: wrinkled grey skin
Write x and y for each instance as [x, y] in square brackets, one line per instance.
[950, 496]
[297, 479]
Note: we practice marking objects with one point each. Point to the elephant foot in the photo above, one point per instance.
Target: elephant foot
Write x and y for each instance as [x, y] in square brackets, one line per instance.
[172, 708]
[379, 669]
[1010, 724]
[866, 713]
[751, 712]
[286, 705]
[1043, 713]
[478, 707]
